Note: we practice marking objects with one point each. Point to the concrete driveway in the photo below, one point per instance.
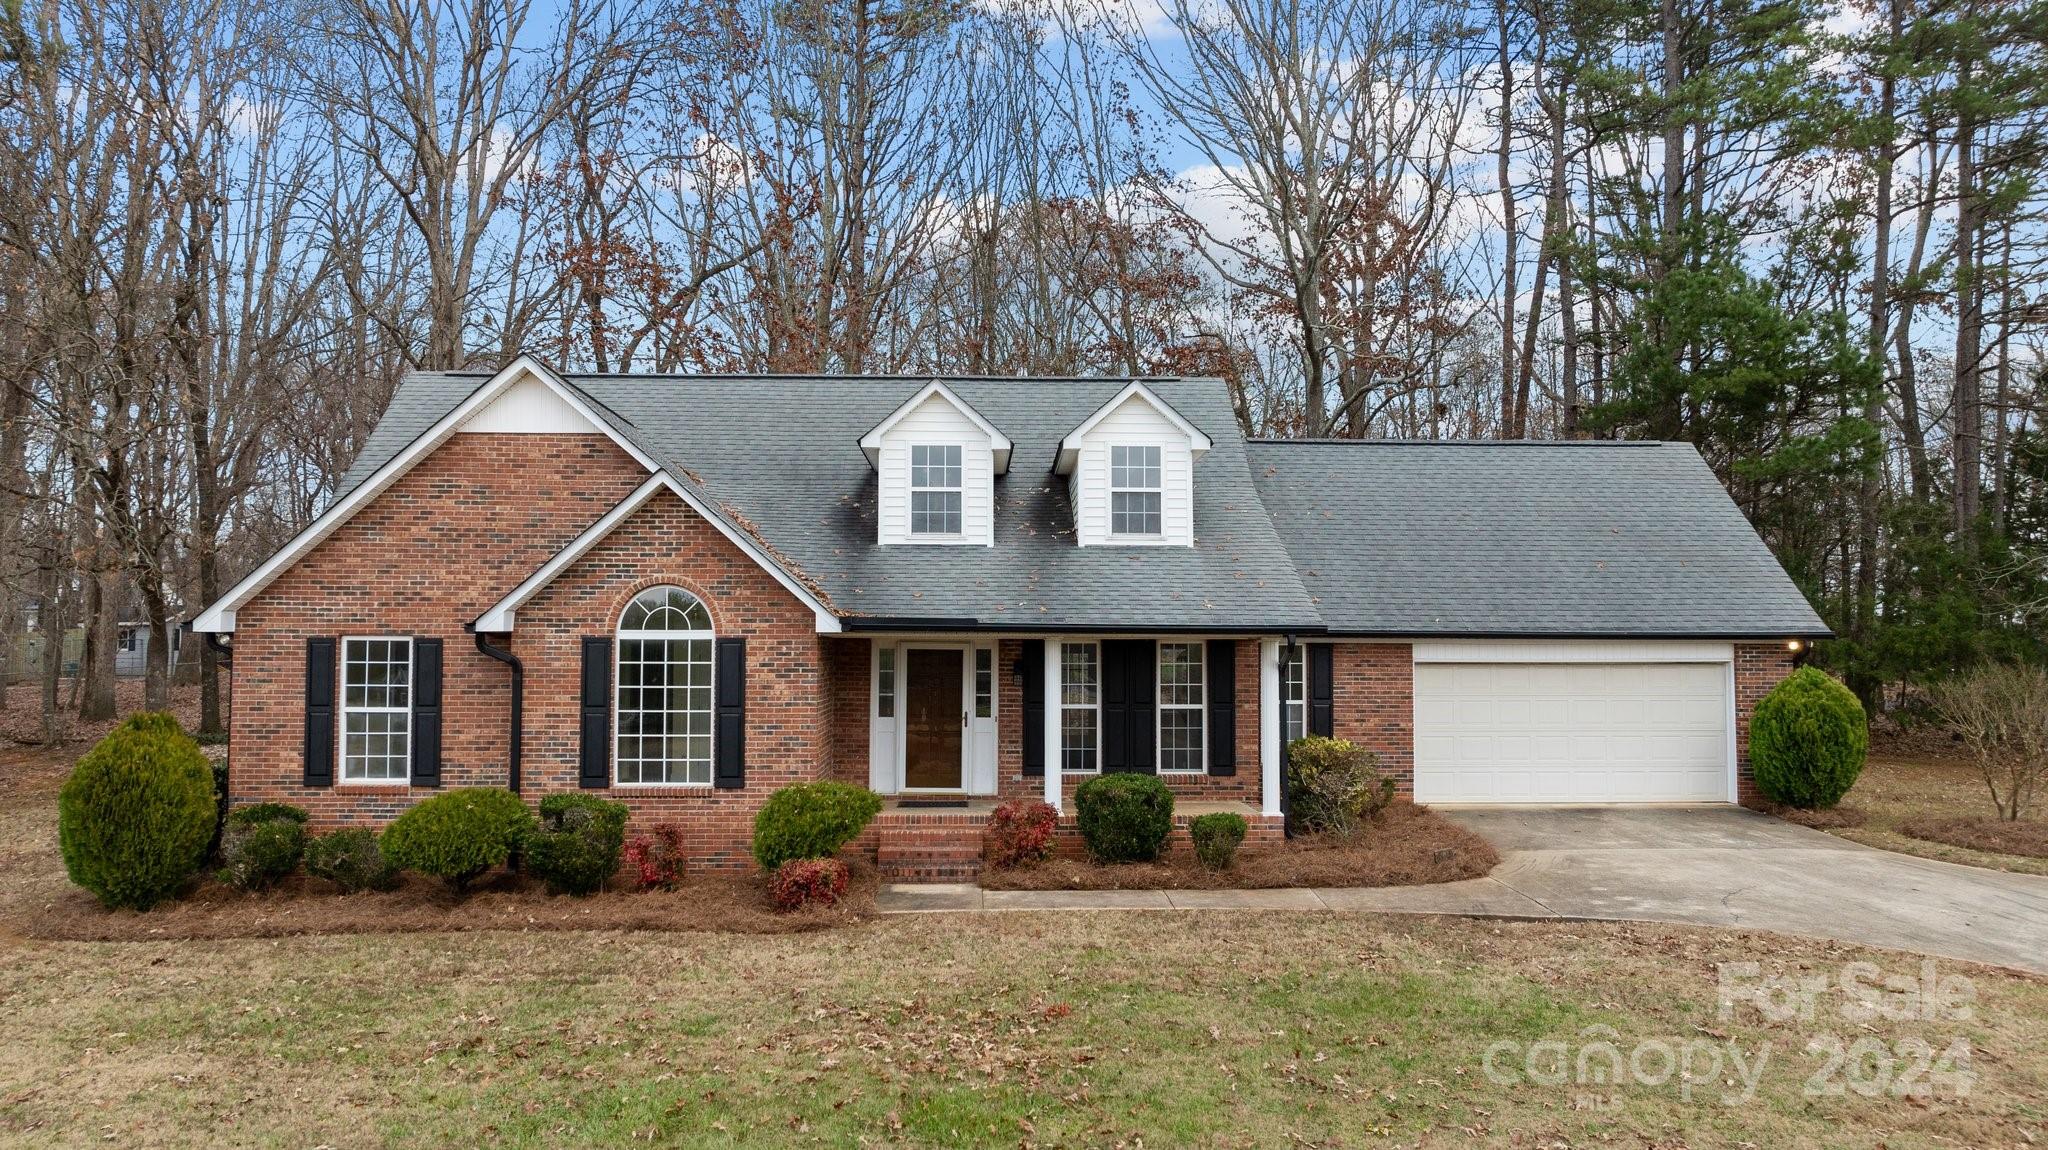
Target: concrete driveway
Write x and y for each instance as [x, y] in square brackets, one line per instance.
[1724, 866]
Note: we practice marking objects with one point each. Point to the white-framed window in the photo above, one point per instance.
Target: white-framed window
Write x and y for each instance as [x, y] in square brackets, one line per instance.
[376, 709]
[1135, 500]
[1080, 707]
[1294, 691]
[1182, 709]
[935, 484]
[128, 639]
[885, 682]
[664, 690]
[984, 683]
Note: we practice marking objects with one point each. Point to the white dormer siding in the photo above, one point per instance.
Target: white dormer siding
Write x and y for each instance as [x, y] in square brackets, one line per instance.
[935, 422]
[1134, 423]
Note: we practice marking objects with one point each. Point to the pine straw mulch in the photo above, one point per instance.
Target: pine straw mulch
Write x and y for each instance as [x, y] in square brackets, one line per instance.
[1832, 819]
[732, 903]
[1406, 845]
[2026, 838]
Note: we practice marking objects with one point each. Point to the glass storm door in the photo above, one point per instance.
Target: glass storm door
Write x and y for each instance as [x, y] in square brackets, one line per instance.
[935, 718]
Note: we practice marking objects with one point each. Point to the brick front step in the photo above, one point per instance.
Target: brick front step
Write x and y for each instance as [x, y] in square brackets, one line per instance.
[928, 844]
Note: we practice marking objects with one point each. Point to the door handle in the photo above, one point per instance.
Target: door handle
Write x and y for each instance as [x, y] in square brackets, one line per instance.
[963, 719]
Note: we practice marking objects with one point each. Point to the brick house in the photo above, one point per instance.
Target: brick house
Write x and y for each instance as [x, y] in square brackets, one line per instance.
[689, 591]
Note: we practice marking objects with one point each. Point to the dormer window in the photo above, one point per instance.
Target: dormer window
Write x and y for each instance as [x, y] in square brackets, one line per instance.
[1130, 471]
[936, 461]
[1135, 491]
[935, 489]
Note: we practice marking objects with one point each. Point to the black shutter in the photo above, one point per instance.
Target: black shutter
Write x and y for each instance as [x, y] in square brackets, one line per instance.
[1222, 707]
[1031, 665]
[1321, 691]
[594, 753]
[1129, 738]
[426, 712]
[729, 718]
[319, 748]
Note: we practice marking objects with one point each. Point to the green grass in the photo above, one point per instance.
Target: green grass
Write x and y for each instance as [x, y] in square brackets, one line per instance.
[1075, 1030]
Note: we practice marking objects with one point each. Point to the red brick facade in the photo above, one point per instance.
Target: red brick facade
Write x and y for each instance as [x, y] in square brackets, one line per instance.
[478, 515]
[1758, 668]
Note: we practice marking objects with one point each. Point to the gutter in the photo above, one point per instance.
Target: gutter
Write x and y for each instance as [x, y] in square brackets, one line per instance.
[858, 624]
[504, 655]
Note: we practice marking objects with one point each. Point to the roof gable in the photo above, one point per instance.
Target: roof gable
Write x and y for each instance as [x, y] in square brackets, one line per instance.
[871, 443]
[1199, 443]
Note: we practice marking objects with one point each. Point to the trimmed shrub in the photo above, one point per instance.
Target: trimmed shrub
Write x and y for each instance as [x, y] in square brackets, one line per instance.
[657, 857]
[1124, 817]
[1807, 740]
[255, 813]
[1334, 786]
[578, 843]
[1217, 837]
[458, 835]
[799, 883]
[135, 817]
[811, 821]
[259, 853]
[1019, 833]
[351, 859]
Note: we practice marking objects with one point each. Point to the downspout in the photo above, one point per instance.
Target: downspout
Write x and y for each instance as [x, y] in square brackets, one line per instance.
[1287, 650]
[504, 655]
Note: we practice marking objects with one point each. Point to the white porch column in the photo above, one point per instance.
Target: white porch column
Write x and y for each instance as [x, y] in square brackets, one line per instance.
[1269, 727]
[1053, 790]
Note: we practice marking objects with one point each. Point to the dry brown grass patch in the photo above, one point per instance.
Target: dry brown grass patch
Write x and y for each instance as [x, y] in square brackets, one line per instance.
[1995, 836]
[1405, 845]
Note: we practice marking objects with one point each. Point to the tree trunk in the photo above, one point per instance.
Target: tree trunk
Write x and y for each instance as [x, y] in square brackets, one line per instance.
[1967, 407]
[96, 662]
[51, 619]
[1508, 428]
[1872, 493]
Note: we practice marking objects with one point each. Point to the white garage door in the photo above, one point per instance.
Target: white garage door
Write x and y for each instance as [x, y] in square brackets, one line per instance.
[1571, 732]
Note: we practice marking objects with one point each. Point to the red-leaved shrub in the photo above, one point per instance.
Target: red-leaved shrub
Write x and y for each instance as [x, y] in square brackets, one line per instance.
[1019, 833]
[658, 857]
[807, 882]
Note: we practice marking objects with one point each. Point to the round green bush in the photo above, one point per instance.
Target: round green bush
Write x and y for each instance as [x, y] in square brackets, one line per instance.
[811, 821]
[578, 844]
[351, 859]
[1124, 817]
[136, 815]
[459, 835]
[1217, 836]
[255, 813]
[1807, 741]
[259, 853]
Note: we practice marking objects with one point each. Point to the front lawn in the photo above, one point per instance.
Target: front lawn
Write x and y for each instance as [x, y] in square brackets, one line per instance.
[1222, 1029]
[1906, 788]
[1216, 1029]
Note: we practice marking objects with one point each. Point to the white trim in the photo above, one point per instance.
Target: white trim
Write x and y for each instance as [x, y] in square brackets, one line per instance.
[1055, 792]
[1269, 727]
[966, 650]
[1061, 707]
[871, 443]
[1070, 447]
[502, 617]
[1573, 651]
[1734, 775]
[619, 636]
[1160, 706]
[220, 616]
[343, 711]
[959, 491]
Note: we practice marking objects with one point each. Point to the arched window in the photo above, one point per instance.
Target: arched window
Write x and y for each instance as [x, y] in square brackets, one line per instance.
[664, 703]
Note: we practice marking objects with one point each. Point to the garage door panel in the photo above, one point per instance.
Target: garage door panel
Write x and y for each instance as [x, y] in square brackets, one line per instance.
[1571, 732]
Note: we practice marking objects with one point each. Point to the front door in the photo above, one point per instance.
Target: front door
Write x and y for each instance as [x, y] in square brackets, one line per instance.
[935, 718]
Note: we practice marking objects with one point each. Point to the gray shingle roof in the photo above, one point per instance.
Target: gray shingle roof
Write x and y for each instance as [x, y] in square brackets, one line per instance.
[1580, 538]
[783, 452]
[1361, 538]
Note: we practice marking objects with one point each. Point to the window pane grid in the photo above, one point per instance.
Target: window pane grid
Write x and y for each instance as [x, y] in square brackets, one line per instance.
[1181, 708]
[376, 710]
[1079, 702]
[935, 489]
[664, 690]
[885, 683]
[1296, 694]
[1135, 501]
[984, 683]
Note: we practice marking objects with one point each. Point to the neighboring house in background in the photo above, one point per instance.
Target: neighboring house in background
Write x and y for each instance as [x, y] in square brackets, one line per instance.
[689, 591]
[131, 649]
